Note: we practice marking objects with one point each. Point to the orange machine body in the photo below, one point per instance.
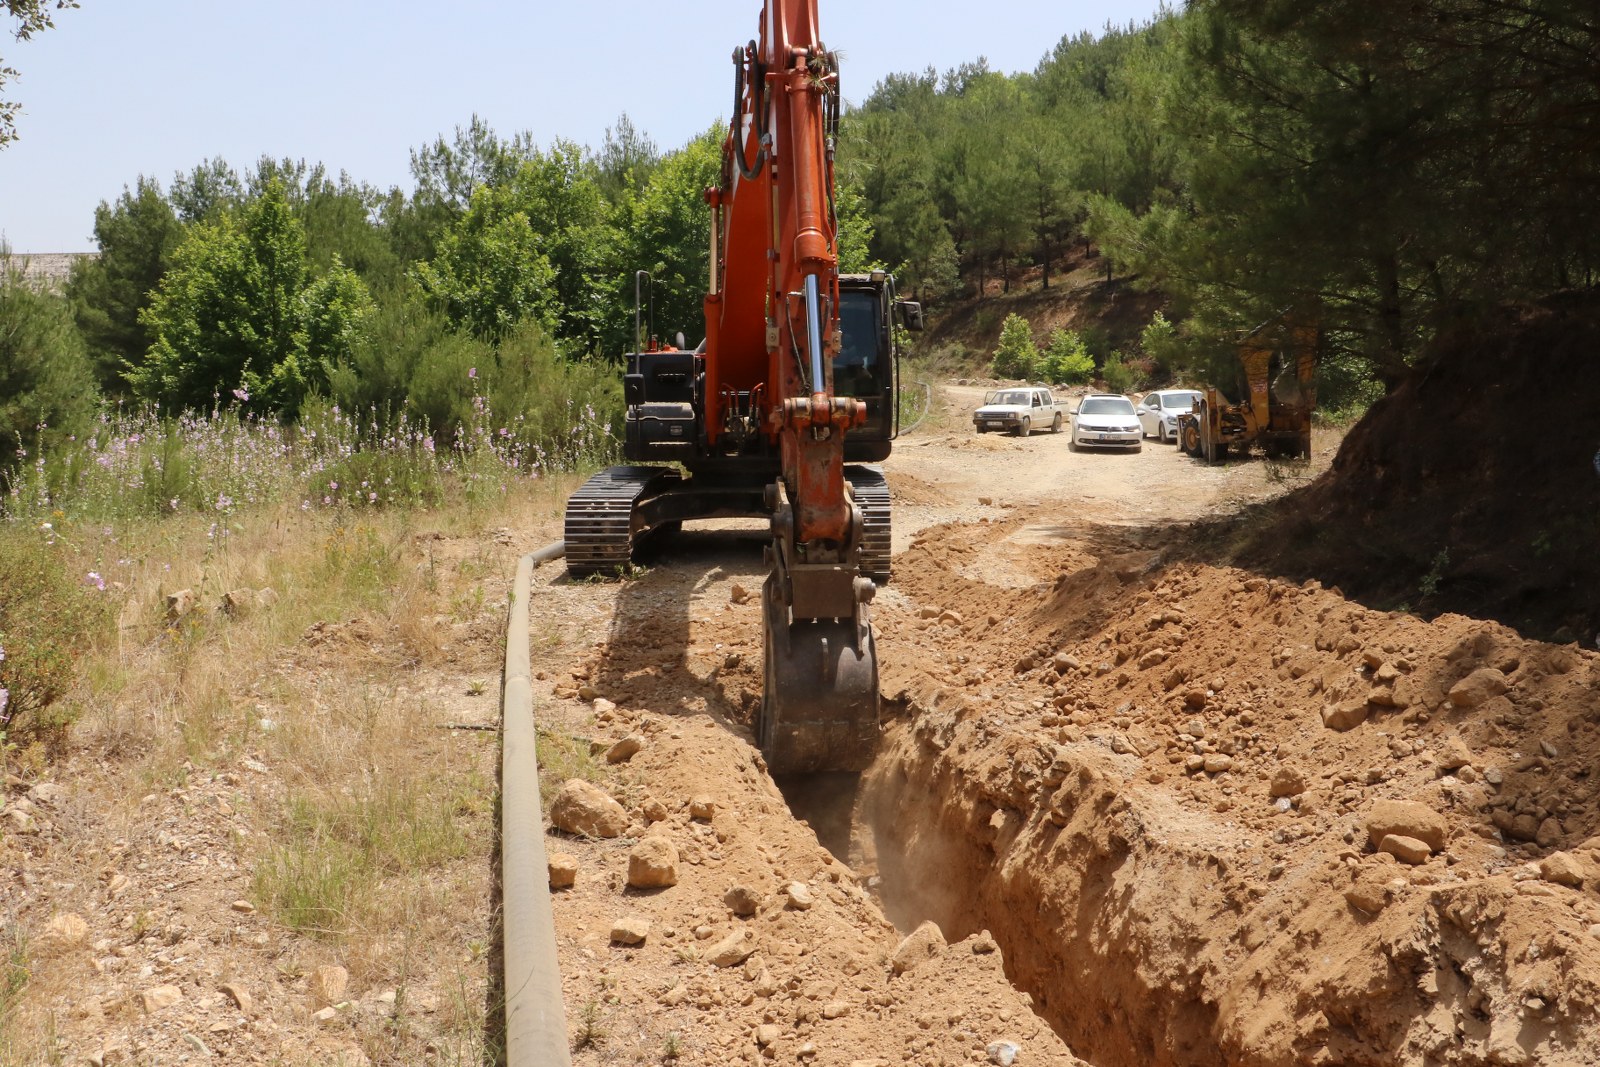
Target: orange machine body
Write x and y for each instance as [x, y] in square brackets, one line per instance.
[774, 235]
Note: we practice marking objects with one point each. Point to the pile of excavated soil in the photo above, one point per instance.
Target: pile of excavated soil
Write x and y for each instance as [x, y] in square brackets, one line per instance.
[1214, 817]
[1474, 487]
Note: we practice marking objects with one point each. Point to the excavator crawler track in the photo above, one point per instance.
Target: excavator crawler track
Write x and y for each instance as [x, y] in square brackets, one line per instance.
[872, 496]
[601, 519]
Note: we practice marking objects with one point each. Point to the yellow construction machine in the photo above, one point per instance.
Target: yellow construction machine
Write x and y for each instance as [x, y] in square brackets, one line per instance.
[1279, 360]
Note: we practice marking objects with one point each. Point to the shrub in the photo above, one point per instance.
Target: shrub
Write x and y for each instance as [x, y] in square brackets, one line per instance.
[1017, 356]
[1066, 360]
[1159, 340]
[48, 618]
[1118, 376]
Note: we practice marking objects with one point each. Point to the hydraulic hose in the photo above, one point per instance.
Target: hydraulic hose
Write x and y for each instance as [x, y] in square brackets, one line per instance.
[758, 77]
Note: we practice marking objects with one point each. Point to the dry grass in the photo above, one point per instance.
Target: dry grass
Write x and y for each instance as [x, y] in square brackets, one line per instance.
[373, 827]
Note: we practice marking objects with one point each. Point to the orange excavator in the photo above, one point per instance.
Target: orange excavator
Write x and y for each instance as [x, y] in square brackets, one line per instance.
[779, 412]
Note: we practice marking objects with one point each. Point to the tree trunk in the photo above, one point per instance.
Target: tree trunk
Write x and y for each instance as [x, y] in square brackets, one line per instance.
[1391, 322]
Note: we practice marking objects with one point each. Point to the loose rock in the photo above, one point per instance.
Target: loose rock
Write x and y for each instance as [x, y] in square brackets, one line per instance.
[584, 808]
[742, 900]
[1407, 818]
[923, 943]
[67, 929]
[1481, 685]
[1453, 753]
[328, 984]
[1562, 868]
[1003, 1053]
[180, 604]
[702, 808]
[1405, 849]
[653, 863]
[625, 749]
[630, 930]
[563, 870]
[799, 896]
[158, 997]
[733, 949]
[1288, 782]
[1344, 716]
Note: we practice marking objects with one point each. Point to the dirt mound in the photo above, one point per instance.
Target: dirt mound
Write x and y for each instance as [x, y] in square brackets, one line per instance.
[1163, 789]
[1473, 487]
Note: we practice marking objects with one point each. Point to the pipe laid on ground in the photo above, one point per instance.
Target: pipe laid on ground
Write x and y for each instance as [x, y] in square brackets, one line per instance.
[536, 1024]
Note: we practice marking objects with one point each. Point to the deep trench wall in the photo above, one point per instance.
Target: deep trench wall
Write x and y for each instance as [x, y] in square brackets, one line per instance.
[1053, 870]
[1154, 930]
[1144, 943]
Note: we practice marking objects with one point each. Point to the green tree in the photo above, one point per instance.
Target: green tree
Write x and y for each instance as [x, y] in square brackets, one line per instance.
[855, 228]
[46, 386]
[337, 216]
[26, 18]
[1160, 341]
[1016, 356]
[206, 191]
[239, 314]
[136, 237]
[1066, 359]
[1118, 375]
[492, 270]
[666, 232]
[447, 174]
[626, 159]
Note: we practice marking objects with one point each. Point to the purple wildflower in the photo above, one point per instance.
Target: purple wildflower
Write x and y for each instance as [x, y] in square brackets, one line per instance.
[93, 578]
[240, 394]
[472, 373]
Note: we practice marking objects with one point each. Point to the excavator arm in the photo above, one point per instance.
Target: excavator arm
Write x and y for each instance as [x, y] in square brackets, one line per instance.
[775, 220]
[753, 420]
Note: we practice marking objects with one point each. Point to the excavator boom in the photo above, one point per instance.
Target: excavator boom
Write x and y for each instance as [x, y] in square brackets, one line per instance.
[793, 388]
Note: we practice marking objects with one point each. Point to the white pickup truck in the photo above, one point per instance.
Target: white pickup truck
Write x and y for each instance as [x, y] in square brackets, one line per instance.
[1019, 410]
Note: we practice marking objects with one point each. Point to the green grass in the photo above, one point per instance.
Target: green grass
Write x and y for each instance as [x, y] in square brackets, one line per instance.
[561, 757]
[335, 852]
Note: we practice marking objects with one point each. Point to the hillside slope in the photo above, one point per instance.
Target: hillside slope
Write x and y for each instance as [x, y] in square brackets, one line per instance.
[1474, 487]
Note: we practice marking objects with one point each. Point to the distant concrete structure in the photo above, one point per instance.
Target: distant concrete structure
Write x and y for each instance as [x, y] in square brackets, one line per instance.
[46, 270]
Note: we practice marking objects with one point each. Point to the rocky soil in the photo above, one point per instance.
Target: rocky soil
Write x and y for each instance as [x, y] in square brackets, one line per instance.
[1133, 806]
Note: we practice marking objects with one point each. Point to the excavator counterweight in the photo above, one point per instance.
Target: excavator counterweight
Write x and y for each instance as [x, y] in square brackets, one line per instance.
[781, 412]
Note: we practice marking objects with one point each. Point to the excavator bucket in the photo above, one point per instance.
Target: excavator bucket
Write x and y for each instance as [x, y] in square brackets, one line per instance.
[820, 708]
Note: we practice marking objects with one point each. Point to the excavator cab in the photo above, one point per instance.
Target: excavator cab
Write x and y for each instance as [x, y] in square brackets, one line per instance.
[867, 364]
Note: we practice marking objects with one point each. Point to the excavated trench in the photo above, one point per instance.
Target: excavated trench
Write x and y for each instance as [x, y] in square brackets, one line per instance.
[1174, 849]
[1155, 786]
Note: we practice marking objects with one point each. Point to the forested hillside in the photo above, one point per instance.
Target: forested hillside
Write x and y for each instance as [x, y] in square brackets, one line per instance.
[1386, 170]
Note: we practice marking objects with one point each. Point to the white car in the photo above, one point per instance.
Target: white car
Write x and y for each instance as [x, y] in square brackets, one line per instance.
[1019, 410]
[1159, 411]
[1105, 420]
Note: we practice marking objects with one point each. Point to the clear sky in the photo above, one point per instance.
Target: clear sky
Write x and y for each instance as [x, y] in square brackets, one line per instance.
[121, 88]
